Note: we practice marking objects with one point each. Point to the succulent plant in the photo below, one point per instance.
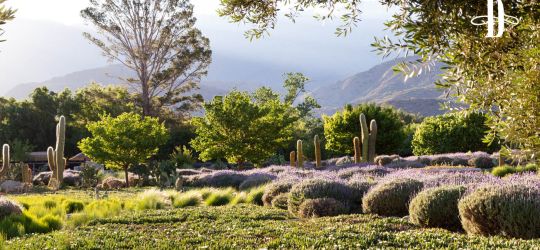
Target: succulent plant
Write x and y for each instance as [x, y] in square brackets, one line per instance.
[26, 174]
[5, 160]
[293, 158]
[55, 156]
[364, 132]
[300, 154]
[317, 151]
[372, 140]
[357, 150]
[368, 139]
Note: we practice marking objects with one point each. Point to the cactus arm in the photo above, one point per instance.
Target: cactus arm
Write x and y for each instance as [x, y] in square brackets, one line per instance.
[317, 143]
[60, 143]
[372, 140]
[292, 158]
[6, 161]
[365, 137]
[357, 150]
[300, 154]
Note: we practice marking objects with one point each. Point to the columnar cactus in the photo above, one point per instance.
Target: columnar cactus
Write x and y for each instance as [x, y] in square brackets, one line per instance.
[55, 157]
[26, 174]
[300, 154]
[317, 151]
[357, 150]
[5, 160]
[368, 139]
[372, 140]
[293, 158]
[364, 131]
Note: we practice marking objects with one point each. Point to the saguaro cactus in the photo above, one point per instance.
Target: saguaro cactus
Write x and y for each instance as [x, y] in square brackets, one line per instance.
[317, 151]
[368, 139]
[372, 140]
[292, 158]
[55, 157]
[26, 174]
[5, 160]
[357, 150]
[300, 154]
[364, 131]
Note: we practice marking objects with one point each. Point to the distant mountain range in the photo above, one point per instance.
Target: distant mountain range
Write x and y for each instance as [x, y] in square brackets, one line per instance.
[378, 84]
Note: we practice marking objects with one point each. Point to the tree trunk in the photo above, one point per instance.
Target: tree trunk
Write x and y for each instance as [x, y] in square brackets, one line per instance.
[146, 105]
[127, 176]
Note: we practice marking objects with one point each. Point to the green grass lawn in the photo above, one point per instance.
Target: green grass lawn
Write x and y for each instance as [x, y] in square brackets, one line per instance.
[250, 226]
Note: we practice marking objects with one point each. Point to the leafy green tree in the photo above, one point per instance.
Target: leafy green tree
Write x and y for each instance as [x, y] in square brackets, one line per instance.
[158, 40]
[124, 141]
[244, 128]
[343, 126]
[454, 132]
[6, 14]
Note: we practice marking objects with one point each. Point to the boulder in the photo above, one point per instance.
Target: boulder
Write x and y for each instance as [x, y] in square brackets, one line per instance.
[42, 178]
[72, 178]
[9, 207]
[10, 186]
[112, 183]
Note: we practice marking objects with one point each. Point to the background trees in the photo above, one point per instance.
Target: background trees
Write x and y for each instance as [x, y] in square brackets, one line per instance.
[244, 128]
[158, 40]
[124, 141]
[343, 126]
[498, 76]
[454, 132]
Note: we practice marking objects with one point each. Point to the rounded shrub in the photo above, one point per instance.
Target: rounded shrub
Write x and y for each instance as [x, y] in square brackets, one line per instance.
[317, 188]
[281, 201]
[503, 171]
[358, 189]
[510, 210]
[437, 207]
[483, 162]
[453, 132]
[382, 160]
[340, 128]
[9, 207]
[274, 189]
[441, 160]
[73, 206]
[255, 181]
[391, 198]
[321, 207]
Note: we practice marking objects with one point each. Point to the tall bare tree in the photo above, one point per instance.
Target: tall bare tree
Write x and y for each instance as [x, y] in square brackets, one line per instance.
[159, 41]
[6, 14]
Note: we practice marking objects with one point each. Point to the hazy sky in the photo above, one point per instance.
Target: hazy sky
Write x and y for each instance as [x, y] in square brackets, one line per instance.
[45, 41]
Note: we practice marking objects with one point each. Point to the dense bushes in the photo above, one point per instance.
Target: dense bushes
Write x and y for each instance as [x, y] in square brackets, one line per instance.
[437, 207]
[343, 126]
[454, 132]
[321, 207]
[25, 223]
[512, 211]
[317, 188]
[505, 170]
[391, 198]
[274, 190]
